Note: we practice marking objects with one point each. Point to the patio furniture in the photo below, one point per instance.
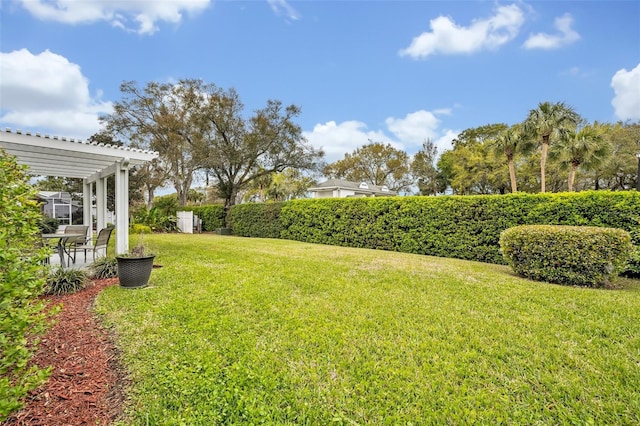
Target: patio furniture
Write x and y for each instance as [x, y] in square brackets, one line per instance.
[101, 243]
[79, 233]
[60, 245]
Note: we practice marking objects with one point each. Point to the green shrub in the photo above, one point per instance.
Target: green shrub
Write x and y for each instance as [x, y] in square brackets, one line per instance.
[464, 227]
[212, 215]
[137, 228]
[22, 317]
[65, 281]
[157, 219]
[48, 225]
[104, 267]
[256, 220]
[632, 269]
[166, 204]
[571, 255]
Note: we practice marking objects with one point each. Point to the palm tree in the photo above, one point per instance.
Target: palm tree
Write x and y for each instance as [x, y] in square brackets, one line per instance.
[546, 120]
[509, 142]
[586, 147]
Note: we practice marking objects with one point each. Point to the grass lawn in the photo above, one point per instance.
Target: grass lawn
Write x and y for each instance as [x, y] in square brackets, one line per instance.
[253, 331]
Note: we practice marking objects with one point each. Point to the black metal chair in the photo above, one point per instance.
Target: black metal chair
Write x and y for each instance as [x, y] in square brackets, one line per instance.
[101, 243]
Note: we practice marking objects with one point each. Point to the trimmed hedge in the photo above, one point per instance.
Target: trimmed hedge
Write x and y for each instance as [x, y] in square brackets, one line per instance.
[212, 215]
[572, 255]
[256, 220]
[465, 227]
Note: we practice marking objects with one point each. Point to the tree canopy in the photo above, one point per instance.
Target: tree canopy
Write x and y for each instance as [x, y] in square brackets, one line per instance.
[376, 163]
[545, 122]
[199, 126]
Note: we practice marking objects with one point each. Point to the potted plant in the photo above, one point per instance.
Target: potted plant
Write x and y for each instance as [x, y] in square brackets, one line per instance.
[134, 268]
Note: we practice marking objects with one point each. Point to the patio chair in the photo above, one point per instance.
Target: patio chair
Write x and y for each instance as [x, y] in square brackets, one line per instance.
[71, 243]
[101, 243]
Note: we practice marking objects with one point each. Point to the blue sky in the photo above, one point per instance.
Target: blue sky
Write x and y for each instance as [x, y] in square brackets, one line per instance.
[386, 71]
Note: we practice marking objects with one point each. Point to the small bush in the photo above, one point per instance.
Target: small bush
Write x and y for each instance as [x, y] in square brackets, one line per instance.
[157, 219]
[104, 267]
[137, 228]
[571, 255]
[48, 225]
[65, 281]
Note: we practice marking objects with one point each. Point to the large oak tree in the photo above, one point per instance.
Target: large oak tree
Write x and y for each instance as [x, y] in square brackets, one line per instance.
[199, 126]
[375, 163]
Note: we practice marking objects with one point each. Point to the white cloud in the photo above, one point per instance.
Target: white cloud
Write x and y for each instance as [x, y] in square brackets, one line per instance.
[565, 36]
[408, 134]
[144, 13]
[415, 127]
[282, 7]
[576, 72]
[626, 85]
[446, 37]
[46, 91]
[446, 140]
[339, 139]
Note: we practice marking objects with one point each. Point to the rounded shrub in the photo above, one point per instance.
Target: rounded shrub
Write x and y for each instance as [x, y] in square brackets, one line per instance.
[137, 228]
[570, 255]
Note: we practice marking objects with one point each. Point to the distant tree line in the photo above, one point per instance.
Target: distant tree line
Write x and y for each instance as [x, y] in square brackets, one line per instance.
[201, 131]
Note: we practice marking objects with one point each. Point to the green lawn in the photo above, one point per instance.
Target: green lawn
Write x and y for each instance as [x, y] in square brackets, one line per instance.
[254, 331]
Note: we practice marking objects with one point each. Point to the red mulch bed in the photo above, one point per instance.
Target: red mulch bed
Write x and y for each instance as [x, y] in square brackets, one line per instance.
[86, 383]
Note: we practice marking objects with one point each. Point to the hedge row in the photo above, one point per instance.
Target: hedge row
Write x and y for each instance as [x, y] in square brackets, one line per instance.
[571, 255]
[465, 227]
[256, 220]
[212, 215]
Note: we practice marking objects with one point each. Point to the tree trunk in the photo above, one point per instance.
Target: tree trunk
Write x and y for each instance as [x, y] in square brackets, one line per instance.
[229, 201]
[512, 176]
[572, 176]
[543, 162]
[150, 194]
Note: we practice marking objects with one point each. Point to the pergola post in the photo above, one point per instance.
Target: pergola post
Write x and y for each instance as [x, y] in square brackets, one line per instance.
[87, 195]
[122, 206]
[101, 203]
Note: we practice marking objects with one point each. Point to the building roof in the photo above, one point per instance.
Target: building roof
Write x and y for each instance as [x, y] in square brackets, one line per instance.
[362, 187]
[59, 194]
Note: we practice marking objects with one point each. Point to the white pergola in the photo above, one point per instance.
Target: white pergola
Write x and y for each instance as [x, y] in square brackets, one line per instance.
[92, 162]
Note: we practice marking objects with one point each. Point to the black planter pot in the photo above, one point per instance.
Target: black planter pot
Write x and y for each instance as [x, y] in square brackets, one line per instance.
[134, 272]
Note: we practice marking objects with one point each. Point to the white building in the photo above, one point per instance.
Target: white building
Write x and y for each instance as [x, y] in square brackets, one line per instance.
[336, 188]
